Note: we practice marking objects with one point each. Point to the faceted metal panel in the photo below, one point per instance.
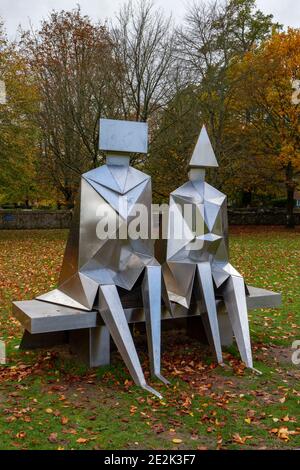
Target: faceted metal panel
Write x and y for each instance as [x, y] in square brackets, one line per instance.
[123, 136]
[58, 297]
[103, 176]
[235, 301]
[114, 318]
[207, 288]
[103, 254]
[151, 291]
[71, 256]
[91, 204]
[75, 288]
[205, 246]
[119, 173]
[203, 155]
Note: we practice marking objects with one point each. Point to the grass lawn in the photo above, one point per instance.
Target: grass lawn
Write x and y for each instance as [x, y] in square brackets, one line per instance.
[47, 401]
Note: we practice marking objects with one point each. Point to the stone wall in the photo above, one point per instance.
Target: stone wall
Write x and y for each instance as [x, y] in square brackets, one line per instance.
[259, 217]
[27, 219]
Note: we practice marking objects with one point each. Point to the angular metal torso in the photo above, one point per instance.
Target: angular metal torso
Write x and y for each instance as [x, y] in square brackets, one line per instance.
[110, 199]
[198, 228]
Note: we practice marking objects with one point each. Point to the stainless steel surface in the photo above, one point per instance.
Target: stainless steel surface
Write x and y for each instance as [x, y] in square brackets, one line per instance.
[113, 315]
[151, 291]
[203, 155]
[42, 317]
[236, 306]
[123, 136]
[91, 345]
[109, 255]
[262, 298]
[205, 245]
[97, 269]
[207, 289]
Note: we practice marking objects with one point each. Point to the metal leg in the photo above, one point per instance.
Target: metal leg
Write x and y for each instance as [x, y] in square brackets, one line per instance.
[206, 284]
[235, 301]
[151, 291]
[113, 315]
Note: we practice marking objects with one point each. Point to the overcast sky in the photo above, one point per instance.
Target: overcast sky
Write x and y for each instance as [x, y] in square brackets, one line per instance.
[15, 12]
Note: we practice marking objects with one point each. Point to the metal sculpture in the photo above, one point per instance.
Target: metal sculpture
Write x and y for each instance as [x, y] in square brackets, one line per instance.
[97, 268]
[197, 253]
[110, 277]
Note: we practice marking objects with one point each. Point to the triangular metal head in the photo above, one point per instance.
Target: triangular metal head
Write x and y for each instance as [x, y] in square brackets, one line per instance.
[203, 155]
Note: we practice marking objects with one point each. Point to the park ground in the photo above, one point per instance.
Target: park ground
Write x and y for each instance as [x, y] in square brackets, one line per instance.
[48, 401]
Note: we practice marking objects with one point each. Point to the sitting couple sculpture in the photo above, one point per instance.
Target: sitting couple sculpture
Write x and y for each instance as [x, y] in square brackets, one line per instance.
[94, 270]
[98, 272]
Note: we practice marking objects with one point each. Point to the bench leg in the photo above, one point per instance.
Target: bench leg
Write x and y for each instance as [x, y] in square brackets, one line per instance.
[226, 332]
[91, 345]
[198, 328]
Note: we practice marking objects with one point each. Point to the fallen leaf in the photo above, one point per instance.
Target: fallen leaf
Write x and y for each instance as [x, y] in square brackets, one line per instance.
[81, 440]
[53, 437]
[240, 440]
[64, 420]
[283, 434]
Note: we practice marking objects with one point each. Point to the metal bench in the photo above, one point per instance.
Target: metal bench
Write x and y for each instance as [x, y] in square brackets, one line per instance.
[48, 324]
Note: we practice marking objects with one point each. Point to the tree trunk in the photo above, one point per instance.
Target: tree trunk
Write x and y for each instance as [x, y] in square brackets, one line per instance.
[246, 198]
[290, 186]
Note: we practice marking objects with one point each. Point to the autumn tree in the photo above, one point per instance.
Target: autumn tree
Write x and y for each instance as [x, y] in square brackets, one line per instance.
[266, 116]
[75, 74]
[172, 143]
[143, 46]
[214, 35]
[18, 133]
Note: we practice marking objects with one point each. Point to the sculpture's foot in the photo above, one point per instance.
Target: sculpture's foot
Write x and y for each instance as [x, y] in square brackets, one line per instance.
[161, 378]
[151, 390]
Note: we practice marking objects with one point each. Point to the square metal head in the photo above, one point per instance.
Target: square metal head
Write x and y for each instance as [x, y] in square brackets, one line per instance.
[123, 136]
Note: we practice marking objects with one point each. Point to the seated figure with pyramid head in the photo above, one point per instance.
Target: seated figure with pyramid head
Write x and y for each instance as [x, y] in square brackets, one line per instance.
[97, 269]
[197, 253]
